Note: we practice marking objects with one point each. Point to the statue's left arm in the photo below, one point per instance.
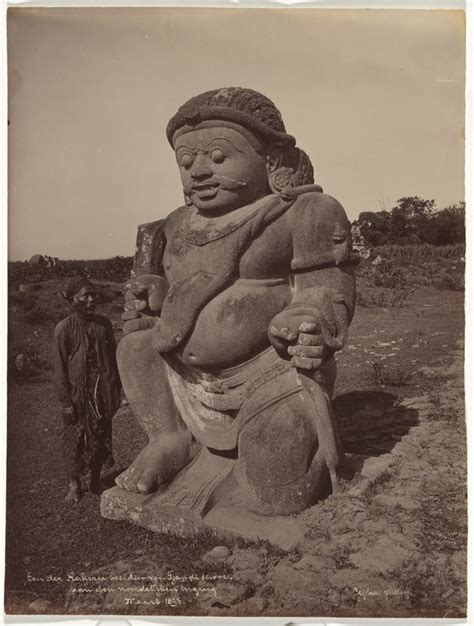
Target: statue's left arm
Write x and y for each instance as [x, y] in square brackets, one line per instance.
[314, 325]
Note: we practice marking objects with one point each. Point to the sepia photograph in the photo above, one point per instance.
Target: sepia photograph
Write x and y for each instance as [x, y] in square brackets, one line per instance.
[236, 258]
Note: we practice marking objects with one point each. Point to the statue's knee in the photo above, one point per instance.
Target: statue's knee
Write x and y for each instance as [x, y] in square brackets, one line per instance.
[279, 469]
[134, 349]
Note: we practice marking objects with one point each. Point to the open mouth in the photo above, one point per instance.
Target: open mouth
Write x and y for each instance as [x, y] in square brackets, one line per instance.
[205, 190]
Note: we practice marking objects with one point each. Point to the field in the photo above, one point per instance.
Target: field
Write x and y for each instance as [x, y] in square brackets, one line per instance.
[392, 543]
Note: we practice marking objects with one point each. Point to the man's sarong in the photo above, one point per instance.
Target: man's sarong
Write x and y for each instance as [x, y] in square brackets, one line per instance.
[87, 435]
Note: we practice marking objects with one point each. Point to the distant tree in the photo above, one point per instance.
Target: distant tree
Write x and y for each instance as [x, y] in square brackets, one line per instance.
[414, 220]
[410, 218]
[449, 225]
[375, 227]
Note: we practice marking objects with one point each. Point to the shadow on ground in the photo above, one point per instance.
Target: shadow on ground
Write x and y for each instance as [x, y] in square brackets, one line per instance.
[371, 423]
[108, 478]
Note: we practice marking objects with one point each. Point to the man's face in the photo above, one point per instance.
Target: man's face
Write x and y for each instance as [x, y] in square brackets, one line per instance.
[85, 300]
[220, 170]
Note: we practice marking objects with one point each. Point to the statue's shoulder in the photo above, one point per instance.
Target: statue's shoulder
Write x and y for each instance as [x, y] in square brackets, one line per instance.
[317, 205]
[153, 228]
[151, 240]
[320, 231]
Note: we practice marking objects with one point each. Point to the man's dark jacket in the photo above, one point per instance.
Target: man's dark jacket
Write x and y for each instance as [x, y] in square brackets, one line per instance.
[70, 362]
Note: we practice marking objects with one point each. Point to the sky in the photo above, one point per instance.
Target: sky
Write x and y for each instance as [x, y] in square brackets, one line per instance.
[375, 97]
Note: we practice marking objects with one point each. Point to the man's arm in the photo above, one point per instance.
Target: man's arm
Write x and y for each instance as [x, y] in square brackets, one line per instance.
[60, 360]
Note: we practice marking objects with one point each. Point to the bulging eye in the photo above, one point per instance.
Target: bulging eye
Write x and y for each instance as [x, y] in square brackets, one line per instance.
[186, 161]
[217, 155]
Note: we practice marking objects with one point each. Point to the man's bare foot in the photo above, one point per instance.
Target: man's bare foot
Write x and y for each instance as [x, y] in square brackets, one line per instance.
[157, 463]
[74, 494]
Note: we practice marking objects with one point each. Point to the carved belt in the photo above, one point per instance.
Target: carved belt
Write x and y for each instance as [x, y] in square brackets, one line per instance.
[230, 388]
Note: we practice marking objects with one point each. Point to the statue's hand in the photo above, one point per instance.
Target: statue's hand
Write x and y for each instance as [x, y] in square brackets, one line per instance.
[144, 295]
[297, 335]
[141, 323]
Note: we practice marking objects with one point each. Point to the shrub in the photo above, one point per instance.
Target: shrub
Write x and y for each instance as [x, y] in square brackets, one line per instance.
[390, 376]
[39, 315]
[27, 366]
[24, 300]
[116, 269]
[422, 253]
[384, 297]
[451, 282]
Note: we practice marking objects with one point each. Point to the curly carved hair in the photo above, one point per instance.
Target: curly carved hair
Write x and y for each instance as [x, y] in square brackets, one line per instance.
[242, 106]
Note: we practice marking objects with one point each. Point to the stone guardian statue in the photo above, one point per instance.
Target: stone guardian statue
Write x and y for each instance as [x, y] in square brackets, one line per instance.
[237, 303]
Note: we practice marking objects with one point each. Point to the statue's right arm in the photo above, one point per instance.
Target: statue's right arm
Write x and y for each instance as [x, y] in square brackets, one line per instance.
[146, 290]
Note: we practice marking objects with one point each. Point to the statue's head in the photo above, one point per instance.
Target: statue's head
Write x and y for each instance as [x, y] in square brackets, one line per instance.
[232, 148]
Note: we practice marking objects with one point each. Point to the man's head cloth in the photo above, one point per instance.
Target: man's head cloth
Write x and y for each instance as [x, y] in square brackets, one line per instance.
[75, 286]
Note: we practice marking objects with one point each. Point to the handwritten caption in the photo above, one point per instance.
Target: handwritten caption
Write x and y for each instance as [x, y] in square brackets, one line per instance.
[389, 592]
[170, 589]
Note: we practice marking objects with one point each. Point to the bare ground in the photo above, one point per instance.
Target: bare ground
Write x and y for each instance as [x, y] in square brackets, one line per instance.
[392, 543]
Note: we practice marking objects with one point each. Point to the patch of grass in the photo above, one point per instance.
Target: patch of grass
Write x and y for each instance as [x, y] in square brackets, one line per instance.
[384, 297]
[24, 300]
[417, 254]
[341, 557]
[39, 315]
[391, 376]
[451, 282]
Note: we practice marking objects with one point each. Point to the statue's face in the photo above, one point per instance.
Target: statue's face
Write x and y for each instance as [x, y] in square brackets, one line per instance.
[220, 170]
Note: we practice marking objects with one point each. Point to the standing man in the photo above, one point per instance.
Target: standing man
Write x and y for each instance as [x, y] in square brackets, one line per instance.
[88, 386]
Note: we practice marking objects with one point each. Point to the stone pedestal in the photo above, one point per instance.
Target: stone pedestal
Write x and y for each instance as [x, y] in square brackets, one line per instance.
[151, 512]
[189, 506]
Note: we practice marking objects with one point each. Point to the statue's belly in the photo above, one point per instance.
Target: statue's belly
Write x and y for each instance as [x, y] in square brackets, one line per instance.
[233, 326]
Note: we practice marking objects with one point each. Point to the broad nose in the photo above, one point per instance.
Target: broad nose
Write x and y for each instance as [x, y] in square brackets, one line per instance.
[200, 168]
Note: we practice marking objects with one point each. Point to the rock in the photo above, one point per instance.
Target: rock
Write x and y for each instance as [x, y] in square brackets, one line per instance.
[254, 606]
[375, 466]
[225, 596]
[315, 563]
[383, 557]
[245, 560]
[404, 502]
[219, 552]
[247, 566]
[334, 597]
[41, 605]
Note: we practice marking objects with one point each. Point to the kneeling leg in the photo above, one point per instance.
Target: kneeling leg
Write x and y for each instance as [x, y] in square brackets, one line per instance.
[281, 469]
